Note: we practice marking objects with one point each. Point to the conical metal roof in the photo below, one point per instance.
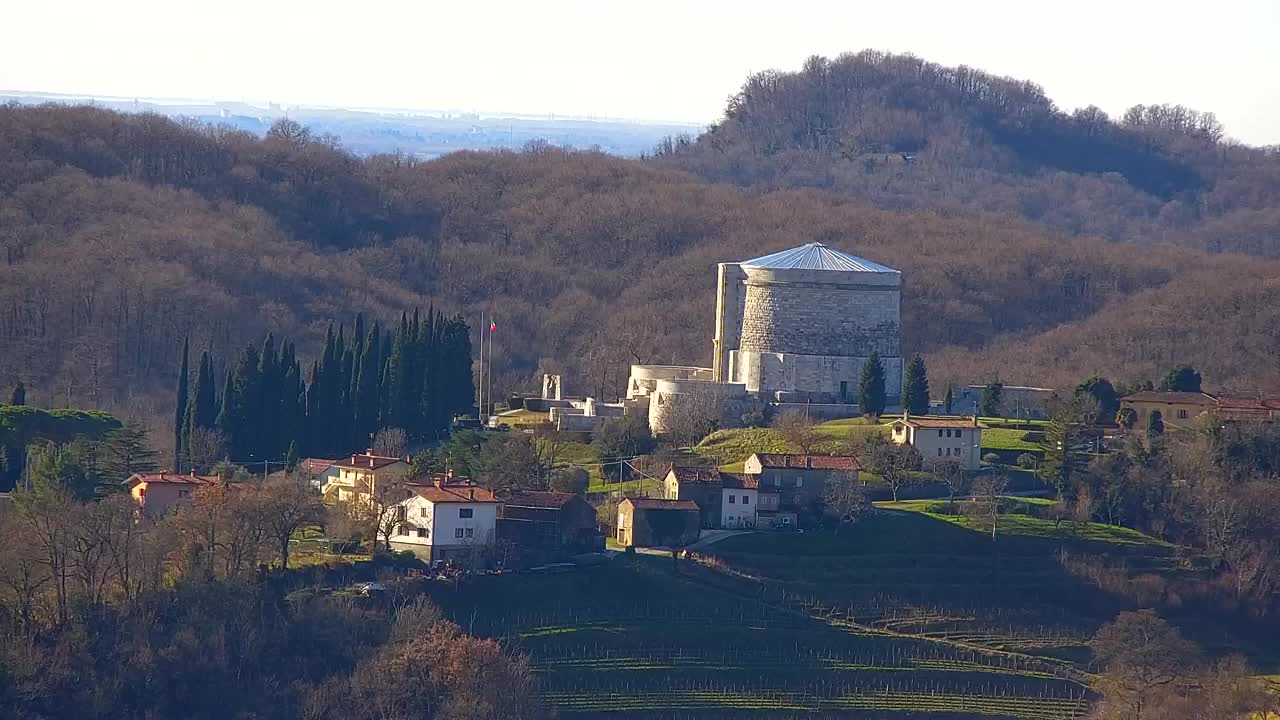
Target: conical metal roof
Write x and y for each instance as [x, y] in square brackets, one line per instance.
[816, 256]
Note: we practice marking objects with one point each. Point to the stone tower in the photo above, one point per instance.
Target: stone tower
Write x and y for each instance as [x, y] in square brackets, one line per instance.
[798, 325]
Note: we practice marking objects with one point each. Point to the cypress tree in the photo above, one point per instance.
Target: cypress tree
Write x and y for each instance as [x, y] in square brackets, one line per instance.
[19, 396]
[871, 392]
[180, 412]
[226, 420]
[202, 408]
[270, 390]
[365, 410]
[456, 380]
[314, 434]
[949, 400]
[915, 387]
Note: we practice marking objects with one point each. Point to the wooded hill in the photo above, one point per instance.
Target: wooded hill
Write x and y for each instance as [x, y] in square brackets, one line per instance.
[899, 132]
[123, 234]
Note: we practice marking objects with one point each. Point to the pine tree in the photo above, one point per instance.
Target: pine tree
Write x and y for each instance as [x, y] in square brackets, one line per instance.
[871, 392]
[125, 452]
[180, 412]
[949, 401]
[915, 387]
[19, 396]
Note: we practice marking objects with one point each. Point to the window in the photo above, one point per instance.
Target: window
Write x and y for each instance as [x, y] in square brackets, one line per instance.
[470, 532]
[422, 532]
[957, 452]
[457, 532]
[939, 433]
[746, 499]
[183, 492]
[948, 452]
[465, 512]
[1182, 414]
[142, 493]
[799, 481]
[844, 389]
[939, 452]
[733, 499]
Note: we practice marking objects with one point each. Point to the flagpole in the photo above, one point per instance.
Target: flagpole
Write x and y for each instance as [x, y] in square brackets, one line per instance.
[480, 374]
[489, 367]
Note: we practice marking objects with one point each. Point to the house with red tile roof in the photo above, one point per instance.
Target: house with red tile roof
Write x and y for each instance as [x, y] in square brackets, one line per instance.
[542, 526]
[159, 493]
[941, 439]
[447, 521]
[725, 500]
[360, 476]
[796, 483]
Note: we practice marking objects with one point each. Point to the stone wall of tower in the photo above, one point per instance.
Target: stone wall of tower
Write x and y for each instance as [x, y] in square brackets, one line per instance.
[819, 318]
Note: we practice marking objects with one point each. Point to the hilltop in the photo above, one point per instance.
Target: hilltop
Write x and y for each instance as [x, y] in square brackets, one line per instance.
[897, 131]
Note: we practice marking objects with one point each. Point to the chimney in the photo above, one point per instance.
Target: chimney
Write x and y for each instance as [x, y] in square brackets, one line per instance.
[471, 494]
[353, 459]
[448, 473]
[438, 481]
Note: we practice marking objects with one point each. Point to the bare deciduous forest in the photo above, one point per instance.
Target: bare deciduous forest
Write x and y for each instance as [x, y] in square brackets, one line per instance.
[1037, 246]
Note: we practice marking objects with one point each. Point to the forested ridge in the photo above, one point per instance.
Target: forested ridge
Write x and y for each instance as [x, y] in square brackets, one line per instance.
[124, 234]
[898, 131]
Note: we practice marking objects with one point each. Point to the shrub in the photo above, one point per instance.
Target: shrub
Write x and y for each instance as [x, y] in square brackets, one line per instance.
[1034, 436]
[991, 458]
[752, 419]
[1027, 461]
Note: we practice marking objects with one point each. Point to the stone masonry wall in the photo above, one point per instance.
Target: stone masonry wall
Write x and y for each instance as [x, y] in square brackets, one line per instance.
[821, 319]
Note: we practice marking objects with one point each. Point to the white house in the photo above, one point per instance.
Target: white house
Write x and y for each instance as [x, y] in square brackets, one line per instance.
[739, 500]
[942, 439]
[442, 521]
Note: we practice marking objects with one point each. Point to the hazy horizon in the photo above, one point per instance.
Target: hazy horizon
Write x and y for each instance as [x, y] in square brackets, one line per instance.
[667, 62]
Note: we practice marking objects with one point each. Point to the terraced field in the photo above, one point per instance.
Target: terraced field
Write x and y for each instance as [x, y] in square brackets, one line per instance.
[634, 638]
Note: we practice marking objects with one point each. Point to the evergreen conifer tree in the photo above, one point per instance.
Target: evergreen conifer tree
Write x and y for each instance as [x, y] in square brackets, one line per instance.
[915, 387]
[180, 412]
[871, 392]
[949, 401]
[19, 396]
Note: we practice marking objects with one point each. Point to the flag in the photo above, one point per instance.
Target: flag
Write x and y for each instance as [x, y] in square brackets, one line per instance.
[492, 326]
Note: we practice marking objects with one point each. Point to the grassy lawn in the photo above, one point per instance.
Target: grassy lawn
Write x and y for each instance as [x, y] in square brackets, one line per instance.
[729, 447]
[998, 439]
[1017, 519]
[640, 485]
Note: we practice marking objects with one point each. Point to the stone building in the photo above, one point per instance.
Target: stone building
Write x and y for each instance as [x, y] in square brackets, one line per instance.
[647, 522]
[798, 325]
[798, 481]
[792, 329]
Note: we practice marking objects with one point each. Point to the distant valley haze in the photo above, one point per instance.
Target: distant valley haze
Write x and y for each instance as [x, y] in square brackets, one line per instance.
[665, 63]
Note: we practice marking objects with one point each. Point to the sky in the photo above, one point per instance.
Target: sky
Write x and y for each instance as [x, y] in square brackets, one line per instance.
[643, 59]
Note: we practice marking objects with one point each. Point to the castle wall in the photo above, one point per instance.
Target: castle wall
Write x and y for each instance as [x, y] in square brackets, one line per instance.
[796, 377]
[821, 312]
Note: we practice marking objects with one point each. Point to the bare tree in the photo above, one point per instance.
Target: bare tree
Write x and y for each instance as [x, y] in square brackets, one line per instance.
[844, 497]
[798, 429]
[693, 415]
[954, 476]
[1140, 653]
[288, 504]
[205, 448]
[893, 462]
[391, 442]
[987, 491]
